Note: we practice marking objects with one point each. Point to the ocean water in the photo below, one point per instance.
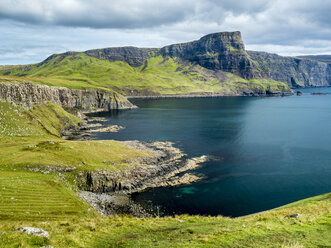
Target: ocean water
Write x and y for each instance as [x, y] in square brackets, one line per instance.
[266, 152]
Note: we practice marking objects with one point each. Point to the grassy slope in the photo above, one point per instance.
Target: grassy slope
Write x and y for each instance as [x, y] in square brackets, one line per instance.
[157, 76]
[267, 229]
[33, 138]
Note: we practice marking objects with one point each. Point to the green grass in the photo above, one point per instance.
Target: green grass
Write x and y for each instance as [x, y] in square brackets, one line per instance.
[31, 138]
[158, 75]
[268, 229]
[34, 196]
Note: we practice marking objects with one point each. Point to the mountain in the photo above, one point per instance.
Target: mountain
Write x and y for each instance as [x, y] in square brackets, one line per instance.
[216, 64]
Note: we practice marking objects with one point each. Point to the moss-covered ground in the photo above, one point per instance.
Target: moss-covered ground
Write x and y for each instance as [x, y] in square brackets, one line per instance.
[29, 139]
[158, 75]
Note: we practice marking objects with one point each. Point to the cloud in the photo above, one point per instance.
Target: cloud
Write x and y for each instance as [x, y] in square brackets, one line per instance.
[282, 26]
[96, 14]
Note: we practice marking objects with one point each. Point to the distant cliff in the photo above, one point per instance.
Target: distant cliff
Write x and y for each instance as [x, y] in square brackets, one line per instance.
[26, 94]
[220, 51]
[296, 72]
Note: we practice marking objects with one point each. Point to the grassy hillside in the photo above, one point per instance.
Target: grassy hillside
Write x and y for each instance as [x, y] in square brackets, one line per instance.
[158, 75]
[32, 138]
[72, 224]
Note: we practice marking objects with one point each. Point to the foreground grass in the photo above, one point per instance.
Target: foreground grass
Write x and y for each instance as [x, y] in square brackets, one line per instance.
[268, 229]
[158, 75]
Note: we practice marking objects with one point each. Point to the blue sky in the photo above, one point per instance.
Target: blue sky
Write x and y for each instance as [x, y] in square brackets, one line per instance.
[31, 30]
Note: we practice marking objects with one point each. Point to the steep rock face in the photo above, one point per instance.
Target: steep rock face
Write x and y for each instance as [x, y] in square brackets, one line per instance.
[219, 51]
[132, 55]
[296, 72]
[26, 94]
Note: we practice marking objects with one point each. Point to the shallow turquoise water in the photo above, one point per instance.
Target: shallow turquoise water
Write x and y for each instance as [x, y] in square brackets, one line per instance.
[268, 151]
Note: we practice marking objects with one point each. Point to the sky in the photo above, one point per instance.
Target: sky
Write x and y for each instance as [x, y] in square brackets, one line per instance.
[31, 30]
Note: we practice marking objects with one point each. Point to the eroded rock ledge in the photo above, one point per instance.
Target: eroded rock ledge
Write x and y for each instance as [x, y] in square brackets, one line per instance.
[109, 192]
[26, 94]
[161, 170]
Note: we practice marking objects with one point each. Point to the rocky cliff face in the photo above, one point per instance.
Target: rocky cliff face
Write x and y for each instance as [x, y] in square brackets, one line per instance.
[219, 51]
[26, 94]
[132, 55]
[296, 72]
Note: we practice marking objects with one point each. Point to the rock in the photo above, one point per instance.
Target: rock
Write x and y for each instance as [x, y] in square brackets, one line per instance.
[110, 204]
[150, 172]
[293, 216]
[296, 72]
[34, 231]
[109, 129]
[299, 93]
[26, 94]
[219, 51]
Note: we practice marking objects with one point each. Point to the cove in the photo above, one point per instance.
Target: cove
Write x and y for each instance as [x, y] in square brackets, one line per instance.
[265, 152]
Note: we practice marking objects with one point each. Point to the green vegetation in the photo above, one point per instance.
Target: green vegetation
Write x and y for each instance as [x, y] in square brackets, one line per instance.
[35, 196]
[31, 138]
[70, 228]
[158, 75]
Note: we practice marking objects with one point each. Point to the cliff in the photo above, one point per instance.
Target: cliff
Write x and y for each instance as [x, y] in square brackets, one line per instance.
[132, 55]
[296, 72]
[26, 94]
[219, 51]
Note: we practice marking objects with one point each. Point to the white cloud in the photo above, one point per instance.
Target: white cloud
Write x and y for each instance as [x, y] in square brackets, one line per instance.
[42, 27]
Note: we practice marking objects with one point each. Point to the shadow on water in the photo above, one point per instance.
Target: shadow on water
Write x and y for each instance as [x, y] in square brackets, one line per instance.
[265, 149]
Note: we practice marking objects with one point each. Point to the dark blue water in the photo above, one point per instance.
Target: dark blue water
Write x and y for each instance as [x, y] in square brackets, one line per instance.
[268, 151]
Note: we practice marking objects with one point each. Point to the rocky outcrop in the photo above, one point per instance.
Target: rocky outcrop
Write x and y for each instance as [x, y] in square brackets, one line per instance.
[296, 72]
[219, 51]
[26, 94]
[132, 55]
[160, 170]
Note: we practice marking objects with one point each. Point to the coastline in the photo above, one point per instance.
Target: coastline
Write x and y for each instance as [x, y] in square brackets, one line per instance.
[109, 192]
[203, 95]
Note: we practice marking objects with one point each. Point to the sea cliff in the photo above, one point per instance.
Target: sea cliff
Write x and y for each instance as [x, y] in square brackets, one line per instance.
[26, 94]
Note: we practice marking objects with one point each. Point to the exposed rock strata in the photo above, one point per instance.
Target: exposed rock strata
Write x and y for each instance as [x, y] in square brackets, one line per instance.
[161, 170]
[296, 72]
[26, 94]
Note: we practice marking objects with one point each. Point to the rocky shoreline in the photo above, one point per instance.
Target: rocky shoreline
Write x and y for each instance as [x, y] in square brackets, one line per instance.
[203, 95]
[109, 192]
